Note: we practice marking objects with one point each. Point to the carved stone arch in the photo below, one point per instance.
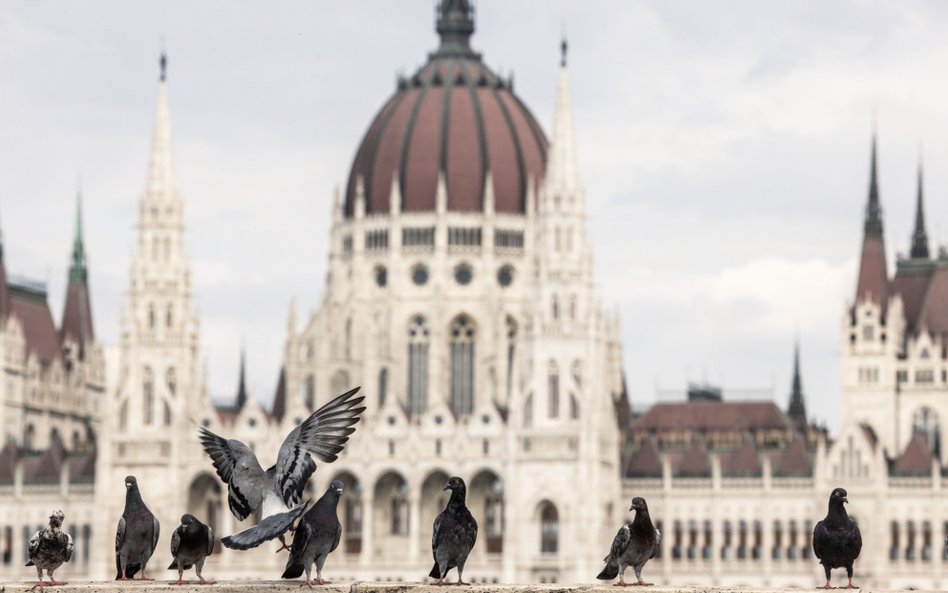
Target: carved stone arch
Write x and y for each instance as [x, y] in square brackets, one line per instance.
[206, 502]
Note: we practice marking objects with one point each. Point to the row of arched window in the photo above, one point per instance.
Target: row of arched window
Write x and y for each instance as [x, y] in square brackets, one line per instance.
[29, 437]
[740, 540]
[914, 541]
[82, 542]
[555, 307]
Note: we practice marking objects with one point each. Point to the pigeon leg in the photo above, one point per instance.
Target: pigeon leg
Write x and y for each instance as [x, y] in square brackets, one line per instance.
[52, 580]
[320, 561]
[826, 570]
[638, 577]
[283, 546]
[460, 570]
[198, 567]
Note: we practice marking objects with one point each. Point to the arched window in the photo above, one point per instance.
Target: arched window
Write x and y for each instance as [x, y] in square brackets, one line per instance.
[553, 390]
[151, 315]
[123, 415]
[894, 540]
[54, 437]
[549, 528]
[418, 339]
[573, 407]
[148, 401]
[169, 316]
[572, 307]
[511, 351]
[569, 239]
[528, 411]
[558, 239]
[383, 386]
[777, 553]
[167, 249]
[167, 418]
[75, 440]
[462, 365]
[309, 393]
[925, 421]
[576, 369]
[172, 380]
[555, 305]
[348, 344]
[340, 382]
[29, 437]
[154, 248]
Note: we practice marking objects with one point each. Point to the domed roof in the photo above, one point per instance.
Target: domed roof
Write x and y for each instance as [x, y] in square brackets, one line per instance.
[454, 117]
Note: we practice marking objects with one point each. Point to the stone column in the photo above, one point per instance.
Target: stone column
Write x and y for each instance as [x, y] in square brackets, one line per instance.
[368, 515]
[414, 526]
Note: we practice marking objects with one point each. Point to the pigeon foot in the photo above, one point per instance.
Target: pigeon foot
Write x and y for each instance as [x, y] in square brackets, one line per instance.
[39, 584]
[204, 581]
[620, 584]
[56, 583]
[144, 578]
[642, 584]
[826, 586]
[180, 581]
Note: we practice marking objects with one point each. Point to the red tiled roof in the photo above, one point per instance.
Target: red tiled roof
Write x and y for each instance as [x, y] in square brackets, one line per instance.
[934, 313]
[82, 467]
[46, 468]
[873, 278]
[916, 459]
[794, 460]
[77, 315]
[912, 288]
[645, 461]
[744, 461]
[695, 461]
[698, 416]
[30, 308]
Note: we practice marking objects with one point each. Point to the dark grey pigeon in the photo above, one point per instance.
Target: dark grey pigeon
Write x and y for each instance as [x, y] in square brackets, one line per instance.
[49, 549]
[635, 544]
[317, 535]
[836, 539]
[191, 542]
[136, 536]
[249, 487]
[455, 532]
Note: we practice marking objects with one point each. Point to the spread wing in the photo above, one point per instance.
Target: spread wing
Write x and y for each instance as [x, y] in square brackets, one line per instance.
[176, 542]
[658, 543]
[69, 547]
[238, 467]
[34, 546]
[324, 434]
[267, 529]
[620, 542]
[120, 534]
[210, 540]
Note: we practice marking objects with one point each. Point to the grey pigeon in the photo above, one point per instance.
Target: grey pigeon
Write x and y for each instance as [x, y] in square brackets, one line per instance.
[249, 488]
[455, 532]
[136, 536]
[836, 539]
[635, 544]
[191, 542]
[317, 535]
[49, 549]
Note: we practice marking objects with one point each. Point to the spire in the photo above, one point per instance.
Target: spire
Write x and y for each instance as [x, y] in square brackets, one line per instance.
[77, 271]
[561, 170]
[873, 275]
[797, 408]
[455, 25]
[163, 64]
[77, 313]
[242, 384]
[919, 236]
[873, 224]
[161, 179]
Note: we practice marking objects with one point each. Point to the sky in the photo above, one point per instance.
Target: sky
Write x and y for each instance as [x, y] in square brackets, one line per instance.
[724, 148]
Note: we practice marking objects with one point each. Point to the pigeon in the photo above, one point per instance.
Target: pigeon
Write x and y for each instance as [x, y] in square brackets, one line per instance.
[455, 532]
[191, 542]
[136, 536]
[836, 539]
[317, 535]
[49, 549]
[635, 544]
[249, 488]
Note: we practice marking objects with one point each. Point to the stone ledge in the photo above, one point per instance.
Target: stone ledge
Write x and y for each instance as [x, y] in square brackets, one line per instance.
[370, 587]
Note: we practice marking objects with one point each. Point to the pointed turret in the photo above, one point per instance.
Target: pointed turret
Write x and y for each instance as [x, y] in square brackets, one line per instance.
[562, 177]
[77, 313]
[919, 236]
[796, 411]
[873, 276]
[241, 400]
[161, 178]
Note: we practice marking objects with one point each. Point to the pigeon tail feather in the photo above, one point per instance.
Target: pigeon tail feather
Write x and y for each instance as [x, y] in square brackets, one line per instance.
[130, 570]
[293, 571]
[435, 572]
[30, 563]
[608, 573]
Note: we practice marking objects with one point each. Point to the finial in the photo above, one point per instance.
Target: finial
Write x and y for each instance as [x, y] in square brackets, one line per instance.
[919, 235]
[77, 270]
[163, 61]
[455, 25]
[564, 47]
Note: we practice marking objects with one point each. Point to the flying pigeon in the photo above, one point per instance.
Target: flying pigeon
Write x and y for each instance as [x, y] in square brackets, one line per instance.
[635, 544]
[191, 542]
[249, 487]
[836, 539]
[455, 532]
[136, 536]
[317, 535]
[49, 549]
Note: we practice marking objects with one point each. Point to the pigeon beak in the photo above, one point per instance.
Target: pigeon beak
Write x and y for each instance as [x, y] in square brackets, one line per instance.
[845, 499]
[446, 487]
[128, 484]
[632, 508]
